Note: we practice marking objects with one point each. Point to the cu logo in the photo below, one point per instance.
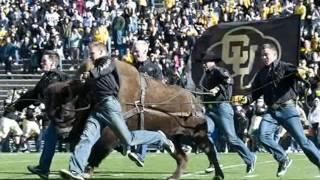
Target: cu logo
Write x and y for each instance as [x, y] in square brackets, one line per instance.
[239, 47]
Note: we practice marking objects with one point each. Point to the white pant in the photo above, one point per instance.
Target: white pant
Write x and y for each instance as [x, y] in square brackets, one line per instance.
[9, 125]
[30, 128]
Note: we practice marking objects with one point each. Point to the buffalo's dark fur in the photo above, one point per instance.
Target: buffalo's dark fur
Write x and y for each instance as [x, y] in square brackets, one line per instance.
[168, 108]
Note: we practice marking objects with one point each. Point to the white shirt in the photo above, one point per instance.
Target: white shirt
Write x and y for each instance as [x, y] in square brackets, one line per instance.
[314, 115]
[52, 18]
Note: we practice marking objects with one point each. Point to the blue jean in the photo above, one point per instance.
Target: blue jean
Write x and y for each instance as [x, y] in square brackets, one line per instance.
[222, 116]
[50, 141]
[108, 113]
[288, 117]
[212, 134]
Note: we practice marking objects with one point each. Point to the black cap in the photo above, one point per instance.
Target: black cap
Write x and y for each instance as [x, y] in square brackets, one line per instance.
[211, 56]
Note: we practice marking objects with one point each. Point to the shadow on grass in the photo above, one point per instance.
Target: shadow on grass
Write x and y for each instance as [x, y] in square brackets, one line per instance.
[129, 172]
[110, 175]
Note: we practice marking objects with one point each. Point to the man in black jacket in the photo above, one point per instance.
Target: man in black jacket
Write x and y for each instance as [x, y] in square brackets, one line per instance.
[145, 66]
[218, 82]
[276, 81]
[105, 85]
[143, 63]
[51, 75]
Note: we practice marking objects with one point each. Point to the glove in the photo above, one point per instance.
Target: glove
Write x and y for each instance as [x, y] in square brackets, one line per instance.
[214, 91]
[239, 99]
[303, 72]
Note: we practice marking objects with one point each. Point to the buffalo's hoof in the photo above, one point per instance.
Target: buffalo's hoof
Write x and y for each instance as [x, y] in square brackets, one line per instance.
[88, 172]
[86, 176]
[218, 178]
[172, 178]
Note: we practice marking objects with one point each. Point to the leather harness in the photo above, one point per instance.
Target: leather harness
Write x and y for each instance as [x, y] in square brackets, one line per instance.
[140, 108]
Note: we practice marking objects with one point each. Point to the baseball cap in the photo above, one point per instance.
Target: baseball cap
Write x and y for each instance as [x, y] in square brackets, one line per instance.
[210, 56]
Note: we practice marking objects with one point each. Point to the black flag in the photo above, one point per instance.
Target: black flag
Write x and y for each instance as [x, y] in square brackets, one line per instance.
[237, 45]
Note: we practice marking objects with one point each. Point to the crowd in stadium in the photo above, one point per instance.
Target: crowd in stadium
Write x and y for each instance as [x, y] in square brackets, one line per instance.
[67, 27]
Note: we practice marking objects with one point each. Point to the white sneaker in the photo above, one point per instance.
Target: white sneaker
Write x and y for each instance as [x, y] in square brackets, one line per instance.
[135, 158]
[86, 176]
[169, 146]
[65, 174]
[88, 172]
[251, 167]
[283, 167]
[210, 169]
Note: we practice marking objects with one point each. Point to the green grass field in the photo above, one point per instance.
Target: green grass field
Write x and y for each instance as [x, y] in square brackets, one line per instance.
[160, 166]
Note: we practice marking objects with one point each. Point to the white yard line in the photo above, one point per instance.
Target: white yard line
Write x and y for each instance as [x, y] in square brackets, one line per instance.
[251, 176]
[14, 162]
[202, 173]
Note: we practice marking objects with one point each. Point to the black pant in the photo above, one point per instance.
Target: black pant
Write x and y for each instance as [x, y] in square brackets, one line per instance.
[8, 67]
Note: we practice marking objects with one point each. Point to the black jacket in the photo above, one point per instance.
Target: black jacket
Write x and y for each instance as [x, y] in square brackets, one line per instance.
[38, 91]
[218, 77]
[150, 69]
[277, 83]
[106, 81]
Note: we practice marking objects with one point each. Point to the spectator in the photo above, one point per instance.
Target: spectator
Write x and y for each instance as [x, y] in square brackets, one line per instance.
[35, 56]
[8, 55]
[57, 46]
[142, 8]
[4, 21]
[130, 7]
[118, 27]
[87, 38]
[75, 40]
[25, 52]
[315, 18]
[101, 34]
[66, 31]
[8, 123]
[30, 126]
[51, 18]
[300, 9]
[168, 4]
[88, 19]
[264, 10]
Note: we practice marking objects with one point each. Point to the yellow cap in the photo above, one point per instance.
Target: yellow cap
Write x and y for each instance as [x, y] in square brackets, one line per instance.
[318, 93]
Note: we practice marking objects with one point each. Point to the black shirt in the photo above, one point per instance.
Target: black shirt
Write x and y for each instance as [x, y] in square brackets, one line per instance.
[218, 77]
[106, 81]
[277, 83]
[39, 90]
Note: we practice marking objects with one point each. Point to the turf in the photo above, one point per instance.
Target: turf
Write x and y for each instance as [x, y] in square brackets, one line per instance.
[160, 166]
